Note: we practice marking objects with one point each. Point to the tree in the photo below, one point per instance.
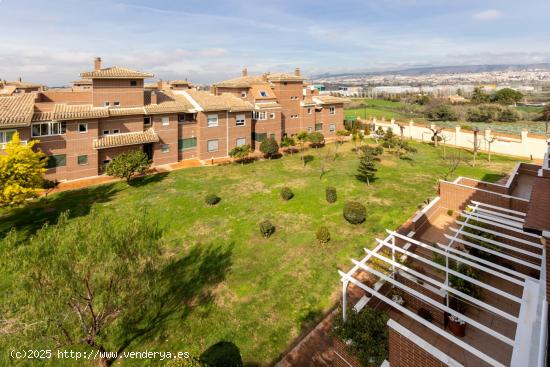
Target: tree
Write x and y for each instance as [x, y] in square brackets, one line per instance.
[507, 96]
[445, 139]
[316, 139]
[479, 96]
[340, 136]
[301, 137]
[545, 114]
[490, 140]
[82, 281]
[240, 153]
[367, 168]
[435, 134]
[442, 112]
[21, 172]
[476, 145]
[269, 147]
[127, 164]
[289, 143]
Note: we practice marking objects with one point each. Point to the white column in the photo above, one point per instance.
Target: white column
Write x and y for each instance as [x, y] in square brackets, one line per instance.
[344, 299]
[457, 135]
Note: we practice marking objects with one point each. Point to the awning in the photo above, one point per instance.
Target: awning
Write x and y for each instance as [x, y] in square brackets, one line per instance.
[133, 138]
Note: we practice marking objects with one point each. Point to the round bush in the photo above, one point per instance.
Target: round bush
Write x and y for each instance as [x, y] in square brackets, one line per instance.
[286, 193]
[212, 199]
[269, 147]
[267, 228]
[323, 235]
[222, 354]
[330, 194]
[355, 212]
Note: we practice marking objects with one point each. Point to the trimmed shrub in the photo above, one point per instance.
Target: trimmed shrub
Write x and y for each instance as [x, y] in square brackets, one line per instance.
[316, 139]
[267, 228]
[354, 212]
[269, 147]
[212, 199]
[323, 235]
[286, 193]
[330, 194]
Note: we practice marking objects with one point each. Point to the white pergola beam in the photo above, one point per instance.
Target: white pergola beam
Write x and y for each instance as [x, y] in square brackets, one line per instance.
[504, 223]
[455, 273]
[497, 243]
[498, 208]
[499, 225]
[492, 212]
[471, 299]
[462, 258]
[425, 323]
[496, 253]
[500, 234]
[436, 304]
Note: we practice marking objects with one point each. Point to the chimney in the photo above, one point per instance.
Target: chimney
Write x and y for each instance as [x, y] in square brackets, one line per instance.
[97, 63]
[159, 84]
[297, 71]
[153, 97]
[245, 72]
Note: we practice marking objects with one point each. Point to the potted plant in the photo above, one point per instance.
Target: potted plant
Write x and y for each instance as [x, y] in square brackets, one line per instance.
[397, 298]
[457, 325]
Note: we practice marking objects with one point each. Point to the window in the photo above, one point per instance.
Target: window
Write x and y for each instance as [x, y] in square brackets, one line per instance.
[263, 93]
[272, 136]
[187, 144]
[212, 145]
[260, 136]
[106, 104]
[116, 104]
[6, 136]
[243, 94]
[83, 127]
[133, 83]
[82, 160]
[106, 132]
[116, 131]
[48, 128]
[240, 142]
[318, 127]
[212, 120]
[260, 115]
[309, 129]
[309, 110]
[240, 120]
[56, 160]
[147, 121]
[165, 148]
[332, 128]
[272, 115]
[165, 120]
[332, 110]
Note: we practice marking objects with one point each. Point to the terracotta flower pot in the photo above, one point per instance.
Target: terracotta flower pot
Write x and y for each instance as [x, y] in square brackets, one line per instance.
[458, 329]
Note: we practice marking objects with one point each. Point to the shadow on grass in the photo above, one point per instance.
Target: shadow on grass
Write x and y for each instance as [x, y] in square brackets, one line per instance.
[491, 177]
[308, 158]
[149, 179]
[184, 284]
[31, 217]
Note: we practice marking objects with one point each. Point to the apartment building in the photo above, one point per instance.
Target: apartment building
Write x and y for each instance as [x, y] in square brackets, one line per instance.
[112, 110]
[18, 86]
[285, 105]
[465, 281]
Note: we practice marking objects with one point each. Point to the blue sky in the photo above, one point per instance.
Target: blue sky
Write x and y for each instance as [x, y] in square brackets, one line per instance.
[52, 41]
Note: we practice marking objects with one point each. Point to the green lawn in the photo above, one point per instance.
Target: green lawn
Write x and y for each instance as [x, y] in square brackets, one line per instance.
[262, 292]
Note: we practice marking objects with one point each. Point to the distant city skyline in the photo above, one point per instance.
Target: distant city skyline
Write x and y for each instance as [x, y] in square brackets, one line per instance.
[205, 41]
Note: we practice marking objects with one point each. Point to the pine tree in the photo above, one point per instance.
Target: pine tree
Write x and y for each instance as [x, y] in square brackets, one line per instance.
[367, 169]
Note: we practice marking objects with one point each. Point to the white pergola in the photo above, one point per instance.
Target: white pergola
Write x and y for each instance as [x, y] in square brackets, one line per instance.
[506, 228]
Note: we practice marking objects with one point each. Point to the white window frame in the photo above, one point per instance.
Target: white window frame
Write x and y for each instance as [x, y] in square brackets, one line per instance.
[85, 124]
[83, 164]
[105, 132]
[150, 121]
[243, 94]
[332, 128]
[165, 120]
[210, 120]
[217, 145]
[272, 115]
[106, 104]
[240, 139]
[309, 110]
[309, 129]
[332, 110]
[240, 120]
[116, 104]
[263, 93]
[3, 136]
[50, 128]
[165, 148]
[116, 131]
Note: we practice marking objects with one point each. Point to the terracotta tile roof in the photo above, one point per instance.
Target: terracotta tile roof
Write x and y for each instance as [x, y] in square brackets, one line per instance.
[17, 110]
[42, 116]
[267, 105]
[115, 72]
[538, 213]
[133, 138]
[8, 90]
[78, 112]
[126, 111]
[284, 77]
[241, 82]
[20, 84]
[308, 101]
[226, 101]
[256, 89]
[82, 82]
[167, 102]
[179, 82]
[325, 99]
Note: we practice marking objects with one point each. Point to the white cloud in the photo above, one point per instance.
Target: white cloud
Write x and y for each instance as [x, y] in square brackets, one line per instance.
[489, 14]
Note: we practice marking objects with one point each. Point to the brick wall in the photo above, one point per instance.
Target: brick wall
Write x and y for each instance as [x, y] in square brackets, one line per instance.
[405, 353]
[416, 304]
